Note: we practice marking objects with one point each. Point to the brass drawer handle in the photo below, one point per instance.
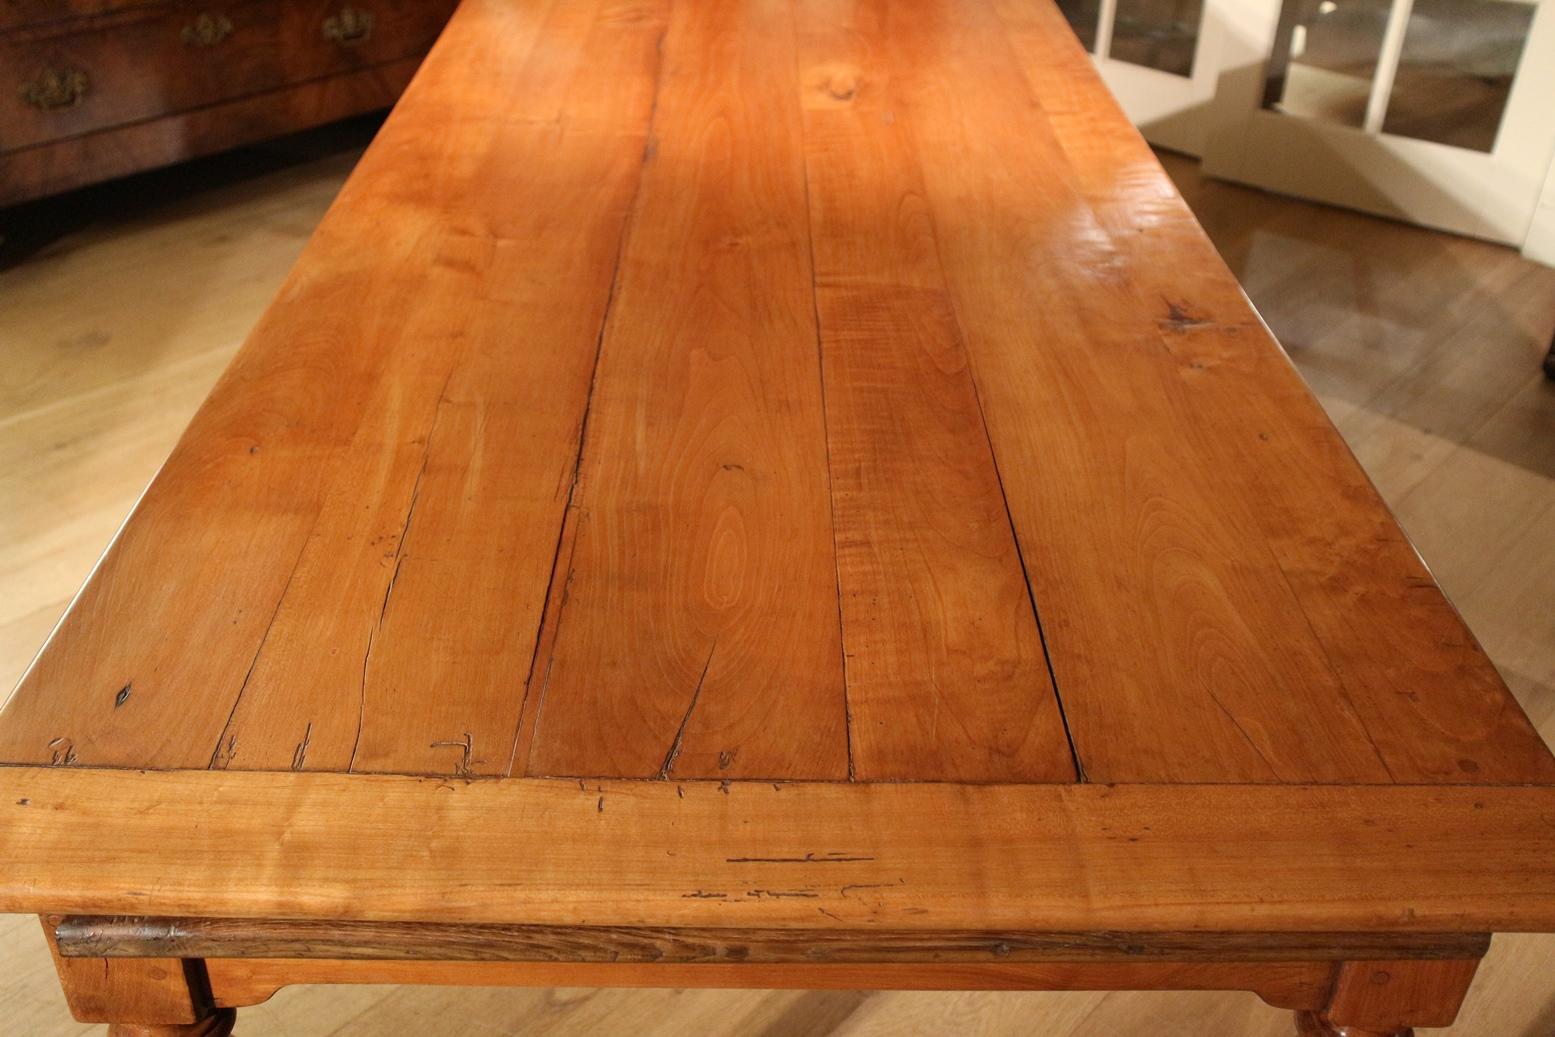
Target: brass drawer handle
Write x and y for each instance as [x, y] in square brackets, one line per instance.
[56, 88]
[351, 26]
[206, 30]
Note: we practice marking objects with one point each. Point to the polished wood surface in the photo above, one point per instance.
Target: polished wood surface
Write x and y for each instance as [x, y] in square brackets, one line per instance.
[632, 547]
[1229, 618]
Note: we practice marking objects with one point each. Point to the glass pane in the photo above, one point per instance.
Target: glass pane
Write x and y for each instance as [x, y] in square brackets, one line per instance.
[1325, 57]
[1456, 71]
[1161, 34]
[1083, 16]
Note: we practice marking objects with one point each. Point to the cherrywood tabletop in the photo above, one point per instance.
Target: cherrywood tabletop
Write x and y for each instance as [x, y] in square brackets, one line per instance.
[793, 463]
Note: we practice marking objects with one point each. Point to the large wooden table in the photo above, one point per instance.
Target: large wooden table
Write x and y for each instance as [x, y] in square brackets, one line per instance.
[766, 493]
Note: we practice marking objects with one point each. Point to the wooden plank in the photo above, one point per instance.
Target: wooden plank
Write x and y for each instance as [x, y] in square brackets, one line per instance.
[924, 856]
[697, 631]
[1431, 702]
[1180, 650]
[444, 686]
[1157, 236]
[365, 525]
[212, 544]
[947, 678]
[107, 937]
[209, 549]
[427, 642]
[282, 524]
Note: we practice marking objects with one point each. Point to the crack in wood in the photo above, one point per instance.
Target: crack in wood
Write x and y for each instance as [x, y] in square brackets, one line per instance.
[680, 733]
[831, 496]
[466, 745]
[1180, 318]
[62, 752]
[1009, 517]
[300, 755]
[569, 511]
[809, 858]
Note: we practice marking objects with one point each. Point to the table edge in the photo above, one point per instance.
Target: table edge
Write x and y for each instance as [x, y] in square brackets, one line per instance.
[821, 857]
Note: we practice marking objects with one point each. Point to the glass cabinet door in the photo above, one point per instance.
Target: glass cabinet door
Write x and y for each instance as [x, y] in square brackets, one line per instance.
[1438, 112]
[1159, 57]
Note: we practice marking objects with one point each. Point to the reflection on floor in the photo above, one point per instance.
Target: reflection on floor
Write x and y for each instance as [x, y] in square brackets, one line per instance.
[122, 307]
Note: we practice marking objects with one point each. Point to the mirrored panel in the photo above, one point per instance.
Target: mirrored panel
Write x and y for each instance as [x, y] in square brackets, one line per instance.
[1325, 58]
[1456, 71]
[1084, 16]
[1158, 34]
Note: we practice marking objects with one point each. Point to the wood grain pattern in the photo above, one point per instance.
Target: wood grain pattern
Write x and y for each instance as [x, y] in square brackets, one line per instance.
[308, 623]
[1201, 666]
[444, 681]
[697, 630]
[930, 857]
[947, 678]
[98, 937]
[471, 477]
[1351, 569]
[1180, 649]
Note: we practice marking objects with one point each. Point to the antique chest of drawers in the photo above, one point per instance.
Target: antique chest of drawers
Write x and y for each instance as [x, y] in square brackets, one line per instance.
[99, 88]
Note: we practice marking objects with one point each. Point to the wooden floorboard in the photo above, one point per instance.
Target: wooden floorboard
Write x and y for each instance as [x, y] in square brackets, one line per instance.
[1448, 416]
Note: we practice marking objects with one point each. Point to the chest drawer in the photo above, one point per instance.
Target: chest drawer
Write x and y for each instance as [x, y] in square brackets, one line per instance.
[87, 74]
[16, 13]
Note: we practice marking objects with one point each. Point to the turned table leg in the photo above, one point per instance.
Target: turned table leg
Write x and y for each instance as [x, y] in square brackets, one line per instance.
[1389, 998]
[217, 1025]
[140, 997]
[1315, 1024]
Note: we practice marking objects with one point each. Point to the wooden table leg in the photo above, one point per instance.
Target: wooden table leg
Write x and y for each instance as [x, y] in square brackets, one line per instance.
[217, 1025]
[1315, 1024]
[1388, 998]
[140, 997]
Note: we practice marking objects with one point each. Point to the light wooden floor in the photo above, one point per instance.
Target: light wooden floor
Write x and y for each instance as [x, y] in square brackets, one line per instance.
[1424, 348]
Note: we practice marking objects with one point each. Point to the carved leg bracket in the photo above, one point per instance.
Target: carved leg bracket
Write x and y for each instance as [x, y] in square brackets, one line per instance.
[1389, 998]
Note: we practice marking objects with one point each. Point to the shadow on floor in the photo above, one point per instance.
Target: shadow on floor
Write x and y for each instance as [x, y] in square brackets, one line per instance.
[27, 229]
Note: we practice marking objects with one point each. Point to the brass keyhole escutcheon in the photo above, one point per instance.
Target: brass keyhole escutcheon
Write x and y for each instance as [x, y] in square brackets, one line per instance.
[352, 25]
[206, 30]
[56, 88]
